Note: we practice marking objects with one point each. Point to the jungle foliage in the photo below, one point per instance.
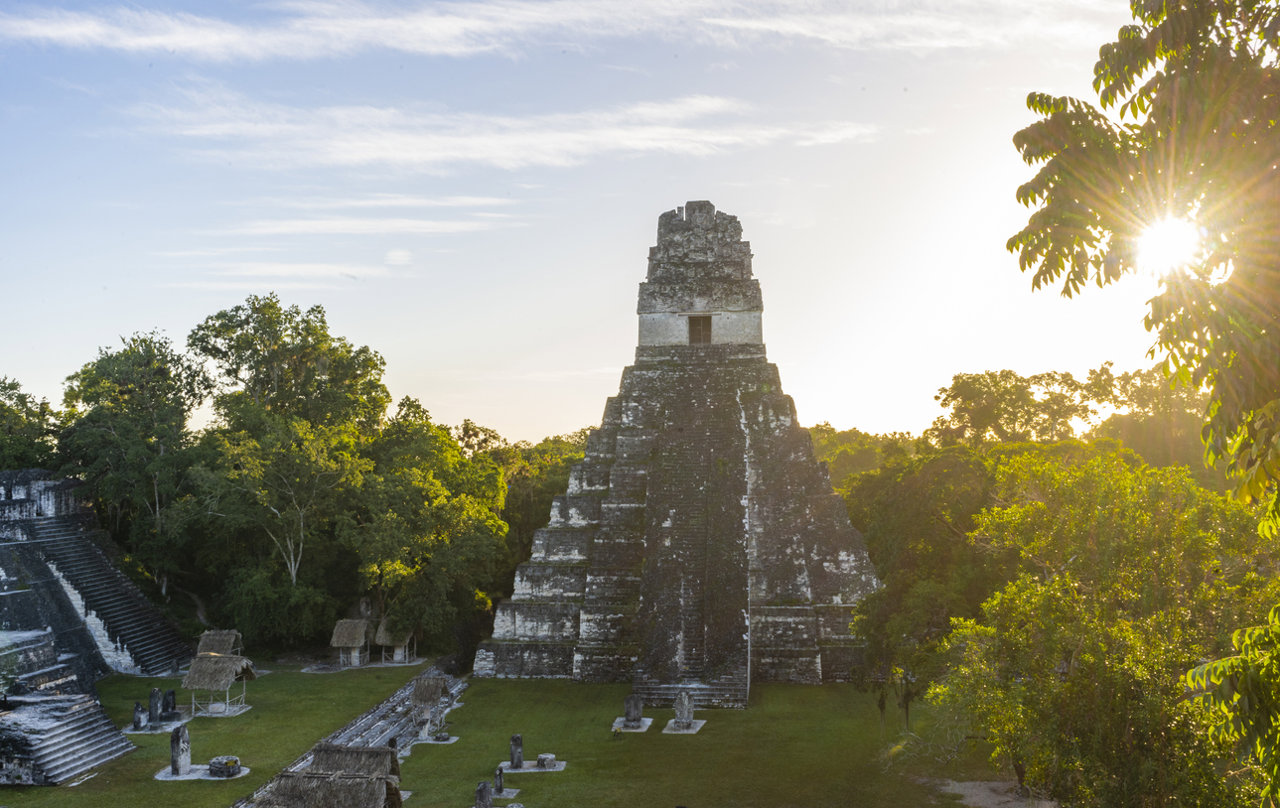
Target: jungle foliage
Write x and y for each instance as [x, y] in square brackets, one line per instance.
[304, 496]
[1194, 135]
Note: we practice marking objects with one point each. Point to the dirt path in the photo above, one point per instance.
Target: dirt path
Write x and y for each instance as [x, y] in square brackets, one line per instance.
[992, 794]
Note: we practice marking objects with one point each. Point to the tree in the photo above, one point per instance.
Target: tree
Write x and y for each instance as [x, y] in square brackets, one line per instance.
[1004, 407]
[1197, 91]
[426, 527]
[127, 439]
[1158, 419]
[289, 483]
[915, 514]
[27, 428]
[1129, 575]
[852, 451]
[285, 362]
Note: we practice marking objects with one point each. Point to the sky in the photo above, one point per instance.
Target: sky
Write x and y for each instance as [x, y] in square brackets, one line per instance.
[471, 188]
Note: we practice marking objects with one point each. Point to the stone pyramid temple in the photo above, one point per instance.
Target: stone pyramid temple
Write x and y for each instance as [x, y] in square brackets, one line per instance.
[699, 545]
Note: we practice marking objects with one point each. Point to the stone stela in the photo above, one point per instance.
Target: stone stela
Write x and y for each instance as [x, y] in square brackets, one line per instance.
[516, 763]
[180, 751]
[632, 719]
[683, 723]
[698, 544]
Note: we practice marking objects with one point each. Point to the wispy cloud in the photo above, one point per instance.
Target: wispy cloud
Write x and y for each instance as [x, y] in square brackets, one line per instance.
[374, 201]
[317, 29]
[231, 127]
[358, 226]
[251, 275]
[284, 269]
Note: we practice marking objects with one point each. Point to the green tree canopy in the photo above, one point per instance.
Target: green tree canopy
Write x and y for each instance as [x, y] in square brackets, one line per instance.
[27, 428]
[426, 528]
[1129, 576]
[1005, 407]
[127, 439]
[1195, 88]
[284, 361]
[1196, 95]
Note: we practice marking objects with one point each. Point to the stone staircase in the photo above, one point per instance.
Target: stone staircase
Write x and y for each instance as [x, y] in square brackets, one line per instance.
[727, 691]
[68, 736]
[388, 721]
[130, 619]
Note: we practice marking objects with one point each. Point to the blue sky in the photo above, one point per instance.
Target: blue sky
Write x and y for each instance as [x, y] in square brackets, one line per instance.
[472, 188]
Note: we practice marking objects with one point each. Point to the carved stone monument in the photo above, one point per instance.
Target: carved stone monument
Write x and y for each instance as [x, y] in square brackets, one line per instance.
[698, 541]
[139, 716]
[633, 711]
[484, 797]
[153, 706]
[169, 707]
[180, 751]
[497, 781]
[517, 752]
[546, 761]
[684, 710]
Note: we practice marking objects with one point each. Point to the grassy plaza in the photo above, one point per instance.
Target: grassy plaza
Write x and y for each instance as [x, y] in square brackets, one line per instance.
[795, 746]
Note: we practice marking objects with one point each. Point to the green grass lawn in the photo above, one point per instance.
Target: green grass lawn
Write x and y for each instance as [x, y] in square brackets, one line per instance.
[794, 746]
[290, 712]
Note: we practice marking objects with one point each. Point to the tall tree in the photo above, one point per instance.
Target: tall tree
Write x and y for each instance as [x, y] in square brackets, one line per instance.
[284, 361]
[1005, 407]
[426, 527]
[127, 439]
[27, 428]
[1196, 87]
[290, 482]
[1160, 420]
[915, 514]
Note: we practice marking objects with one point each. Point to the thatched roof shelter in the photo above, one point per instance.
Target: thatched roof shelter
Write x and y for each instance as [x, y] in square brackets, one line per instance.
[350, 634]
[427, 690]
[396, 646]
[370, 761]
[218, 672]
[220, 641]
[386, 637]
[308, 789]
[210, 679]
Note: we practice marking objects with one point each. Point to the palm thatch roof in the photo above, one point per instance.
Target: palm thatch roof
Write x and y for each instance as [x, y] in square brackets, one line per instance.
[350, 634]
[429, 689]
[385, 637]
[219, 641]
[218, 672]
[308, 789]
[371, 761]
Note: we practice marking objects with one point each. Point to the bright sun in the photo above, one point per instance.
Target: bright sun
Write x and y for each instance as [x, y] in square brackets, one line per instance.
[1167, 245]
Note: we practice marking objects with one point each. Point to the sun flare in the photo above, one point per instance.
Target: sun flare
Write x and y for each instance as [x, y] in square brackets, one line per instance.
[1168, 244]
